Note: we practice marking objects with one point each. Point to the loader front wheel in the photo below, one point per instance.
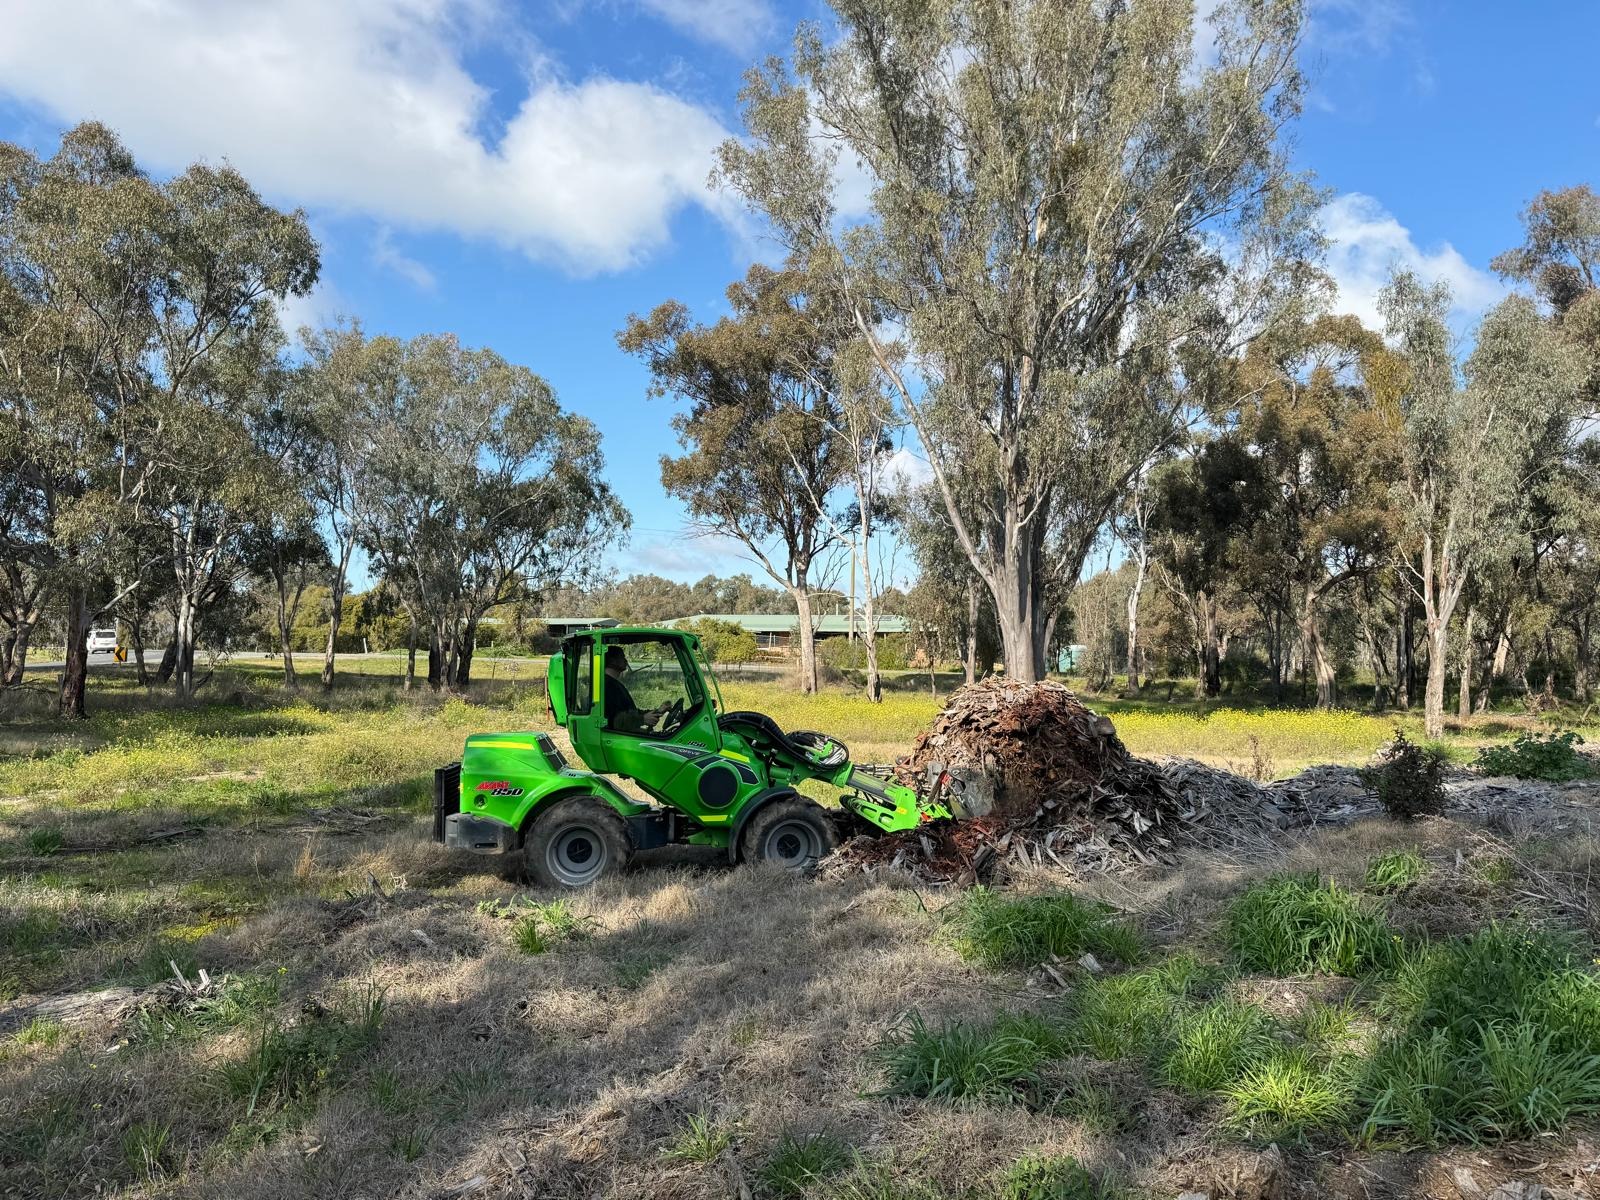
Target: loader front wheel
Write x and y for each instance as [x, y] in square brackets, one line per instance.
[793, 833]
[576, 843]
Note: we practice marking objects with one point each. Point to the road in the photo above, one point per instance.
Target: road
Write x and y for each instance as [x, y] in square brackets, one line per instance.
[152, 660]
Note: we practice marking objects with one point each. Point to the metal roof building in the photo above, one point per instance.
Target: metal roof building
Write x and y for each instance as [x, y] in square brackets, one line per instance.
[774, 630]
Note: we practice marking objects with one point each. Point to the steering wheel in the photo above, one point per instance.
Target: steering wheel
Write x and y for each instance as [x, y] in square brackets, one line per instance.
[674, 711]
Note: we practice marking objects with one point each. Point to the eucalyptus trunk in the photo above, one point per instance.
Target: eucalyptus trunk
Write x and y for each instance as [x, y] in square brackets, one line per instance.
[468, 646]
[807, 636]
[341, 580]
[1316, 651]
[1134, 594]
[1018, 606]
[1464, 692]
[868, 605]
[411, 655]
[971, 660]
[184, 634]
[14, 660]
[72, 701]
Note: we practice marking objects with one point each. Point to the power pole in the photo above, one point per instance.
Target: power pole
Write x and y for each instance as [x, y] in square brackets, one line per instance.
[852, 593]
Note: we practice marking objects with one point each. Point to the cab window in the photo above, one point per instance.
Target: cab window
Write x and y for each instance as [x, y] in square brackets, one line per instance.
[580, 677]
[649, 687]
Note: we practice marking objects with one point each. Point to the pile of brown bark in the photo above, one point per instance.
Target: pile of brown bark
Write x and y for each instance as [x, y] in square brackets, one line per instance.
[1065, 791]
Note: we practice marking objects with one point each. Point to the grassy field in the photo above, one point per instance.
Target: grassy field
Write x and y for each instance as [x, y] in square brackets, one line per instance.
[396, 1021]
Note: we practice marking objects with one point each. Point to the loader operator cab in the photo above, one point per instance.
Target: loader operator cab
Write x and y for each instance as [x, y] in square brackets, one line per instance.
[648, 690]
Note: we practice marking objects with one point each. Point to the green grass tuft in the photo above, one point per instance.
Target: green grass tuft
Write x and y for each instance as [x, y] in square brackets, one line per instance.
[1395, 871]
[1055, 1178]
[1128, 1016]
[242, 1000]
[1094, 1105]
[997, 931]
[40, 1031]
[881, 1181]
[536, 927]
[1499, 1036]
[291, 1064]
[801, 1161]
[46, 841]
[701, 1140]
[145, 1147]
[1214, 1045]
[964, 1061]
[1294, 925]
[1289, 1094]
[1326, 1029]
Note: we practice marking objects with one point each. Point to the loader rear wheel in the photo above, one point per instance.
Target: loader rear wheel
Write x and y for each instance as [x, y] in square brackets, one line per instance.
[576, 843]
[792, 833]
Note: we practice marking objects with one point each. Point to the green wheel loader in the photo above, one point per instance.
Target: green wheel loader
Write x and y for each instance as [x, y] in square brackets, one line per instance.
[642, 704]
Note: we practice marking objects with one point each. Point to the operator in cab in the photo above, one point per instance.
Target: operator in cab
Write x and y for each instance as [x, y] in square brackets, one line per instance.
[622, 712]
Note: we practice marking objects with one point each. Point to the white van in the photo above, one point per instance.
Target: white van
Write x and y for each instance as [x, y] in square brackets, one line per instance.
[102, 641]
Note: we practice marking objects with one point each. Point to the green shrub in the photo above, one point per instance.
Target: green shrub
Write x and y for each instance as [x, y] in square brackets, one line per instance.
[964, 1061]
[723, 641]
[1395, 871]
[1000, 932]
[1555, 758]
[1294, 925]
[846, 654]
[798, 1162]
[1408, 778]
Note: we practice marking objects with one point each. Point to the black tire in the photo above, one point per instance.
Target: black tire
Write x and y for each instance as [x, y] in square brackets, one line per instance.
[576, 843]
[793, 833]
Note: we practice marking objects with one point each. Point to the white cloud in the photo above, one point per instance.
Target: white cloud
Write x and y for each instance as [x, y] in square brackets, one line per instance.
[1333, 26]
[685, 556]
[390, 257]
[907, 469]
[1368, 243]
[736, 25]
[320, 307]
[1357, 26]
[366, 106]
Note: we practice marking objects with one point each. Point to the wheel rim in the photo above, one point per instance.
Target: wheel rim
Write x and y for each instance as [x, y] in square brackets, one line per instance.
[577, 855]
[792, 843]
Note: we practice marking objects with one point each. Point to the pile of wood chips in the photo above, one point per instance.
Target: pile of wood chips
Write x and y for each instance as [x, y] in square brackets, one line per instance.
[1066, 791]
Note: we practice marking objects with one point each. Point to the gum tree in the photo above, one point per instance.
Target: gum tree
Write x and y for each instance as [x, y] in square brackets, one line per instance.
[1318, 396]
[477, 489]
[345, 374]
[761, 452]
[1473, 454]
[1069, 215]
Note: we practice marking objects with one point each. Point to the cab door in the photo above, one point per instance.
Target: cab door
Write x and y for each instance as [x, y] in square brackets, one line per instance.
[661, 728]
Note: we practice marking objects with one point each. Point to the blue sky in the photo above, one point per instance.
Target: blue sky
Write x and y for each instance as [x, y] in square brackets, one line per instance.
[526, 174]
